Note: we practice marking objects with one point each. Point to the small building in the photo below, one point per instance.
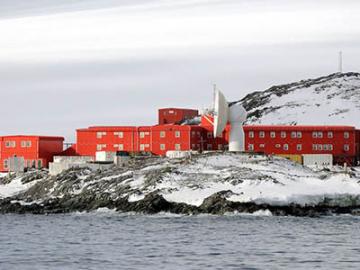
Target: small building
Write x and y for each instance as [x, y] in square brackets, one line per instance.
[175, 115]
[35, 151]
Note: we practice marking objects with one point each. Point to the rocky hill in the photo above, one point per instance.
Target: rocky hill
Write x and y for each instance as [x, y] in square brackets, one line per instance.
[333, 99]
[210, 183]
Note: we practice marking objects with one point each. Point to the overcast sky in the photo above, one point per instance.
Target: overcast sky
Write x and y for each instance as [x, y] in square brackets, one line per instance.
[68, 64]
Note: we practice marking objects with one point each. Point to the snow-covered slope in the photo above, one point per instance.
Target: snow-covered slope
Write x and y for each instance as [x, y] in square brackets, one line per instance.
[333, 99]
[244, 178]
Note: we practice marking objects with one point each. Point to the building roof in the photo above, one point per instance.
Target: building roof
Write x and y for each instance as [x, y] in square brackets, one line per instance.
[34, 137]
[297, 128]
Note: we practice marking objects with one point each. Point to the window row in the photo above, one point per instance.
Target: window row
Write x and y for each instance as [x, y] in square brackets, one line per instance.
[12, 144]
[297, 134]
[142, 134]
[27, 163]
[322, 147]
[283, 134]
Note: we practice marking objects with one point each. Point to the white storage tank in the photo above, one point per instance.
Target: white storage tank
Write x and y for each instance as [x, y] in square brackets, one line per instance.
[105, 156]
[317, 159]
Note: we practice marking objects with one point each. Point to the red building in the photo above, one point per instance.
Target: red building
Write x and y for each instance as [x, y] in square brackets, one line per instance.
[175, 115]
[151, 139]
[37, 151]
[343, 142]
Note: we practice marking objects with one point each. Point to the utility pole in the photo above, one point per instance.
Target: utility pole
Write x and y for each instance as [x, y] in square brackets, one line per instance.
[340, 62]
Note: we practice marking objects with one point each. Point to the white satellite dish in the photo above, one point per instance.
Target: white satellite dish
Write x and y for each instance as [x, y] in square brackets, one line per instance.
[236, 115]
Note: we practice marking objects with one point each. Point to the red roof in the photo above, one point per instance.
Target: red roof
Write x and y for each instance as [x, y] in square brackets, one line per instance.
[34, 136]
[298, 128]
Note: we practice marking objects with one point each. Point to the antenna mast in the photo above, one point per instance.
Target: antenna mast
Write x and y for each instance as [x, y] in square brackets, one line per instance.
[340, 62]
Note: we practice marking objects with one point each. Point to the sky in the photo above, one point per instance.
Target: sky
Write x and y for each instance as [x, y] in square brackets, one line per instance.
[70, 64]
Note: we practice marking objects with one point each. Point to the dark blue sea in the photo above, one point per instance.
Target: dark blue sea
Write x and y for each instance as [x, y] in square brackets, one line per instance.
[109, 240]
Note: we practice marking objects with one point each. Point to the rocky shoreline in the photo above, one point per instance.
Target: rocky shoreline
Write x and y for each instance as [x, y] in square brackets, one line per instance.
[154, 203]
[213, 184]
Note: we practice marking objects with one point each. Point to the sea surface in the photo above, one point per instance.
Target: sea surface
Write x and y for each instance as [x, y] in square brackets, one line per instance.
[109, 240]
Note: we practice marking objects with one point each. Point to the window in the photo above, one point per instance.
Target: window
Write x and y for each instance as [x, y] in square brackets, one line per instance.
[220, 147]
[319, 134]
[293, 134]
[177, 134]
[25, 144]
[119, 134]
[283, 134]
[262, 145]
[286, 147]
[278, 145]
[142, 134]
[100, 134]
[142, 147]
[346, 147]
[193, 146]
[162, 146]
[198, 133]
[6, 164]
[314, 147]
[100, 147]
[346, 135]
[162, 134]
[314, 134]
[331, 147]
[10, 144]
[193, 133]
[220, 135]
[299, 147]
[177, 147]
[209, 134]
[325, 147]
[39, 163]
[299, 134]
[272, 134]
[251, 147]
[330, 135]
[262, 134]
[209, 146]
[251, 134]
[119, 147]
[320, 147]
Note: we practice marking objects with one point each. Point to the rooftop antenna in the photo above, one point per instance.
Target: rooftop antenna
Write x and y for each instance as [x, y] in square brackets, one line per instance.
[340, 62]
[236, 115]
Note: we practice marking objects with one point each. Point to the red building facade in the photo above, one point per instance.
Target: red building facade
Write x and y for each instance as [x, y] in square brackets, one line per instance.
[175, 115]
[37, 151]
[150, 139]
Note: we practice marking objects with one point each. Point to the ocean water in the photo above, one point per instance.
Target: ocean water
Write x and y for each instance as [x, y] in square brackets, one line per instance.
[108, 240]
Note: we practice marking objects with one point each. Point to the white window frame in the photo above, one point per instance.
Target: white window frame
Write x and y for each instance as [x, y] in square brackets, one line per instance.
[209, 146]
[272, 134]
[251, 147]
[10, 144]
[119, 134]
[6, 164]
[346, 147]
[209, 135]
[220, 147]
[142, 147]
[346, 135]
[142, 134]
[162, 134]
[177, 134]
[330, 134]
[251, 134]
[177, 146]
[293, 134]
[283, 134]
[298, 134]
[162, 146]
[320, 134]
[299, 147]
[261, 134]
[100, 134]
[314, 134]
[262, 145]
[286, 147]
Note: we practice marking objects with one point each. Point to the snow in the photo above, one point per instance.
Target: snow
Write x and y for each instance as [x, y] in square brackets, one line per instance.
[14, 187]
[278, 181]
[334, 101]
